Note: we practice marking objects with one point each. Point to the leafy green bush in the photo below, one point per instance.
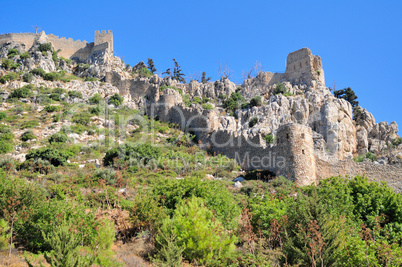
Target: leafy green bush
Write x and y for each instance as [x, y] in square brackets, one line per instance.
[144, 73]
[234, 102]
[197, 100]
[371, 156]
[27, 77]
[269, 139]
[108, 175]
[256, 101]
[3, 115]
[59, 137]
[201, 236]
[207, 106]
[12, 53]
[95, 110]
[7, 63]
[29, 124]
[52, 108]
[90, 79]
[4, 234]
[253, 121]
[397, 141]
[82, 118]
[25, 55]
[11, 76]
[38, 71]
[358, 158]
[55, 156]
[132, 153]
[116, 100]
[6, 139]
[23, 92]
[51, 76]
[28, 135]
[45, 47]
[95, 99]
[280, 89]
[75, 94]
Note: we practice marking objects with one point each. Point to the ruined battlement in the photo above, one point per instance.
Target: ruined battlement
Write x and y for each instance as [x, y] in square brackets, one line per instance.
[67, 47]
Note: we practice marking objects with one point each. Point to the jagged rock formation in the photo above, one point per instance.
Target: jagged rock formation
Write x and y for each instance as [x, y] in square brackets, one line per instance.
[316, 133]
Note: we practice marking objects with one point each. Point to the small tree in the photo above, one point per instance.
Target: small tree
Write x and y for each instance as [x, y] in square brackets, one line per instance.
[177, 72]
[204, 79]
[151, 65]
[348, 94]
[168, 72]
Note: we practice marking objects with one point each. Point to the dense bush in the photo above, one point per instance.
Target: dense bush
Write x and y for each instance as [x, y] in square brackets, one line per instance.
[207, 106]
[256, 101]
[52, 108]
[23, 92]
[144, 73]
[38, 71]
[116, 100]
[55, 156]
[25, 55]
[95, 99]
[45, 47]
[108, 175]
[280, 89]
[7, 63]
[132, 154]
[269, 139]
[75, 94]
[371, 156]
[253, 121]
[6, 139]
[11, 76]
[59, 137]
[234, 102]
[29, 124]
[3, 115]
[397, 141]
[27, 77]
[51, 76]
[28, 135]
[12, 53]
[82, 118]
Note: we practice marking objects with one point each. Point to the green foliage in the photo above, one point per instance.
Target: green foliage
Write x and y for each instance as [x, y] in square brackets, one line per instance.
[28, 135]
[358, 158]
[25, 55]
[45, 47]
[207, 106]
[177, 72]
[23, 92]
[151, 66]
[3, 115]
[256, 101]
[12, 53]
[169, 252]
[280, 89]
[7, 63]
[132, 153]
[144, 73]
[38, 71]
[199, 233]
[95, 110]
[371, 156]
[51, 76]
[4, 235]
[269, 139]
[348, 94]
[116, 100]
[59, 137]
[108, 175]
[29, 124]
[52, 108]
[204, 78]
[6, 139]
[197, 100]
[82, 118]
[397, 141]
[90, 79]
[95, 99]
[253, 121]
[234, 102]
[75, 94]
[54, 56]
[27, 77]
[11, 76]
[55, 156]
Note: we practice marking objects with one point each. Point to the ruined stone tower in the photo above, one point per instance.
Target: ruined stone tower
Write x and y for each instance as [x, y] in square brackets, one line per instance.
[295, 145]
[303, 67]
[104, 37]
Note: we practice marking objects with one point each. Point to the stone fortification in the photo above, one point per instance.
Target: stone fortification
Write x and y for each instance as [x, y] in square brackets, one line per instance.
[68, 48]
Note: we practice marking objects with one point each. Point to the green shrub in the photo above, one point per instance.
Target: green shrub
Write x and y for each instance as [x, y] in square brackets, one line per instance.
[59, 137]
[23, 92]
[11, 76]
[28, 135]
[29, 124]
[108, 175]
[51, 76]
[207, 106]
[234, 102]
[358, 158]
[144, 73]
[199, 233]
[45, 47]
[75, 94]
[197, 100]
[38, 71]
[52, 108]
[269, 139]
[56, 157]
[82, 118]
[7, 63]
[397, 141]
[132, 153]
[95, 110]
[3, 115]
[371, 156]
[116, 100]
[95, 99]
[280, 88]
[6, 139]
[27, 77]
[12, 53]
[90, 79]
[253, 121]
[25, 55]
[256, 101]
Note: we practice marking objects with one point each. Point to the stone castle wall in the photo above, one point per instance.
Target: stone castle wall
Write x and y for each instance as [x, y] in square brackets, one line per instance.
[69, 48]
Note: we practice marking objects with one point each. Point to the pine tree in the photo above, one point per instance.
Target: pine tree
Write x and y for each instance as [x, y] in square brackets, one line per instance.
[168, 73]
[151, 65]
[177, 72]
[204, 79]
[348, 94]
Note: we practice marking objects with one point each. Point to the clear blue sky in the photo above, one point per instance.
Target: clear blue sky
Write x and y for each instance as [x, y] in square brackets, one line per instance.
[359, 41]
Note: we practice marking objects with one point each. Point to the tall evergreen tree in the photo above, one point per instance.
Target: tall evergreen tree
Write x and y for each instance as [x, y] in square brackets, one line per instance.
[177, 72]
[348, 94]
[151, 65]
[204, 79]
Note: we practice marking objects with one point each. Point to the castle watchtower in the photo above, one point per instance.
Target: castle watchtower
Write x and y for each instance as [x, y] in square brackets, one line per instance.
[303, 67]
[295, 145]
[104, 37]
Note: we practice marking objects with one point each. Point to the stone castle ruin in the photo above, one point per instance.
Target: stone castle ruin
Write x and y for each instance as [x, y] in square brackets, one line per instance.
[68, 48]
